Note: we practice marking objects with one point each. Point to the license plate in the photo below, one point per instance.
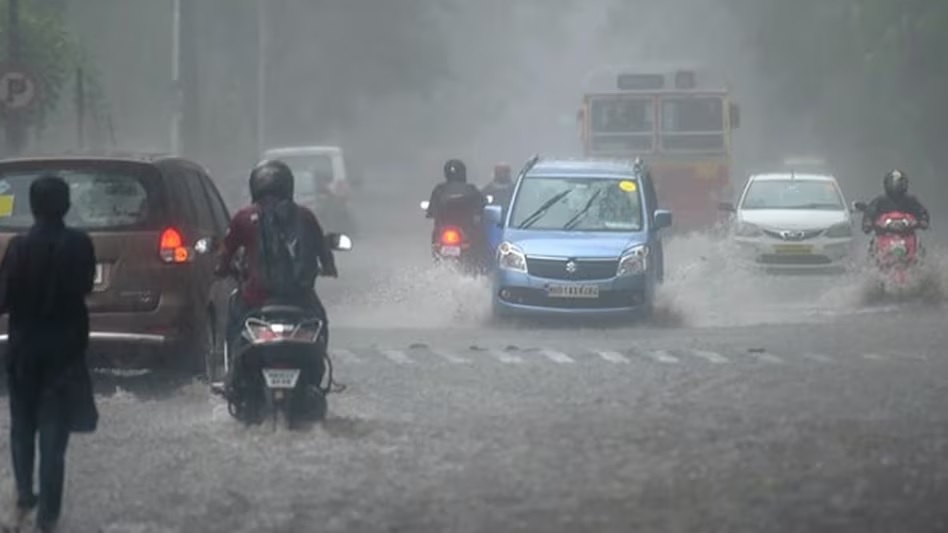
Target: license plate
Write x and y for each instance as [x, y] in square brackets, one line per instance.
[451, 251]
[573, 291]
[99, 274]
[280, 378]
[793, 249]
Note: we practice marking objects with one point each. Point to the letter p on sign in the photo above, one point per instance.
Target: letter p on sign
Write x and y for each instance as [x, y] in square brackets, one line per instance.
[17, 90]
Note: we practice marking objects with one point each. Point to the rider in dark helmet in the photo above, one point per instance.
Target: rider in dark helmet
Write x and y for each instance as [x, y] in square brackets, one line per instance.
[896, 198]
[455, 201]
[283, 243]
[501, 188]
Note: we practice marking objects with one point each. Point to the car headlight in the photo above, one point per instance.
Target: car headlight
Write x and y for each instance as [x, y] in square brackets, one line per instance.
[839, 231]
[744, 229]
[509, 257]
[633, 261]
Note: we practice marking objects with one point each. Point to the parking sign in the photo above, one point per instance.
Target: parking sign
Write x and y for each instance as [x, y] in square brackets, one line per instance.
[18, 89]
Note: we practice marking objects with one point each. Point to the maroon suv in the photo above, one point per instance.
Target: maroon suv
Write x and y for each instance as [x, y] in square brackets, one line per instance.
[155, 222]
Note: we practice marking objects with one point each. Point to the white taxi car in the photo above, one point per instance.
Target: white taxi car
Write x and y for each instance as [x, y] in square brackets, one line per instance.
[793, 221]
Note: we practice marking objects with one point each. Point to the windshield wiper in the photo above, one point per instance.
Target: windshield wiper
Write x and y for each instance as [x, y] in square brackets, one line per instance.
[571, 223]
[538, 214]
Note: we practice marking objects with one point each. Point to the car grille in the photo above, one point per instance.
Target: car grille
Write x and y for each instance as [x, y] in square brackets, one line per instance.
[606, 300]
[794, 235]
[586, 269]
[775, 259]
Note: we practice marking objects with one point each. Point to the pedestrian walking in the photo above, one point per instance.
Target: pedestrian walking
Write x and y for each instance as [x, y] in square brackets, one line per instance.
[45, 276]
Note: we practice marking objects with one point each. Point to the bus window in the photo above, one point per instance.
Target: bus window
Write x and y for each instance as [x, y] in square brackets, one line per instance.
[621, 124]
[693, 124]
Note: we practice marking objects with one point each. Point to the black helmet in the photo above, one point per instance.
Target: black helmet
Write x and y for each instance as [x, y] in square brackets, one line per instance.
[271, 178]
[895, 184]
[454, 170]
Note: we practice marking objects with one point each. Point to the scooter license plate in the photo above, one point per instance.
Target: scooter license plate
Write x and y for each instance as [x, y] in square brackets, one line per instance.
[451, 251]
[281, 378]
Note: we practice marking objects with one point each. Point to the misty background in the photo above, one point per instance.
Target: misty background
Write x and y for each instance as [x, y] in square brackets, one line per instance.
[403, 85]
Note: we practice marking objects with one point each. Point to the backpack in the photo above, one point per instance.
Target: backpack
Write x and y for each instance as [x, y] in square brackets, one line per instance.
[283, 259]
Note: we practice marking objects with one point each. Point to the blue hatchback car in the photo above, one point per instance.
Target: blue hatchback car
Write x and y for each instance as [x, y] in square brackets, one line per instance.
[580, 237]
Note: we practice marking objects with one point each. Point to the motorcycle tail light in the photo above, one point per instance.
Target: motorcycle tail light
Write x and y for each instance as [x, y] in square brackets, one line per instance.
[260, 332]
[451, 236]
[307, 333]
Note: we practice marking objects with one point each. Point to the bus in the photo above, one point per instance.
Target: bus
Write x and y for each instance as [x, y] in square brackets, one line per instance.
[679, 121]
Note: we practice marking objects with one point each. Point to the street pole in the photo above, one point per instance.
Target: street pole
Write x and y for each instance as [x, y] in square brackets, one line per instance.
[261, 75]
[176, 79]
[14, 126]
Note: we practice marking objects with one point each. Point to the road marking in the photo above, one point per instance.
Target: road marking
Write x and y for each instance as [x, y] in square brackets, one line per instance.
[766, 357]
[557, 357]
[711, 357]
[820, 358]
[505, 357]
[346, 355]
[397, 356]
[662, 356]
[450, 357]
[613, 357]
[873, 357]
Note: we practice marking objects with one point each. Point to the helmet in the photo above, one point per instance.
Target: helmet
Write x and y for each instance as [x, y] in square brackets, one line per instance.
[271, 178]
[502, 172]
[454, 170]
[895, 184]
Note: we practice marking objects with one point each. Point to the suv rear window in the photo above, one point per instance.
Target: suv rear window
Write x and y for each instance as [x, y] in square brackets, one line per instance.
[104, 196]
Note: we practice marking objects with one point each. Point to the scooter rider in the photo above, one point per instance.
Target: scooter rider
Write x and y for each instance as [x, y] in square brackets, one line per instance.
[896, 198]
[501, 188]
[273, 221]
[457, 202]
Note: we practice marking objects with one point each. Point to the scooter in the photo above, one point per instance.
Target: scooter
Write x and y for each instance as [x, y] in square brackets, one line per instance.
[451, 245]
[895, 248]
[276, 367]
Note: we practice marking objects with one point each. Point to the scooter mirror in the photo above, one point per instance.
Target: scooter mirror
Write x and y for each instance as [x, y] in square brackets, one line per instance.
[859, 206]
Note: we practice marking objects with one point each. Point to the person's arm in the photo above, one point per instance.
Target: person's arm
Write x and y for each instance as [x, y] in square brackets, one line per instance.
[326, 258]
[6, 270]
[87, 264]
[921, 213]
[233, 240]
[433, 201]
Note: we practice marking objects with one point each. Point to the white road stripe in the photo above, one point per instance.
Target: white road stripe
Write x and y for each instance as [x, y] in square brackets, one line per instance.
[766, 357]
[557, 357]
[450, 357]
[345, 355]
[662, 356]
[873, 357]
[397, 356]
[613, 357]
[711, 357]
[506, 357]
[820, 358]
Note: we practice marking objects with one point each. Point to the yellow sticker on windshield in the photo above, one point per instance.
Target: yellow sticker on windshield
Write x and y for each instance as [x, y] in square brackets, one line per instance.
[6, 205]
[628, 186]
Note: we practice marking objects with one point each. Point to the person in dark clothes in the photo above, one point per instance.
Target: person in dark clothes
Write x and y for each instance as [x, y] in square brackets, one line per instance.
[44, 279]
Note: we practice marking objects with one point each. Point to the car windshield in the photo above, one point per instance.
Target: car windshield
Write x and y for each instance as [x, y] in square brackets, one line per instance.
[579, 204]
[101, 198]
[308, 170]
[793, 194]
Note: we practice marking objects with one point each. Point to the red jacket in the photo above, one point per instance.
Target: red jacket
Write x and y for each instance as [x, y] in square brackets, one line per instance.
[243, 233]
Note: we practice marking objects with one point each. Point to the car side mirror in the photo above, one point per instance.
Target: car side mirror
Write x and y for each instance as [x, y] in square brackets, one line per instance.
[663, 219]
[339, 242]
[860, 206]
[494, 214]
[726, 206]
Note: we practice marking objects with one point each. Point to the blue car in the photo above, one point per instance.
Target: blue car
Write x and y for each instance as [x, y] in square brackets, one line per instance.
[579, 238]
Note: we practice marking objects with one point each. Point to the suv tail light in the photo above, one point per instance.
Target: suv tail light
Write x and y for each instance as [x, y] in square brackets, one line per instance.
[172, 249]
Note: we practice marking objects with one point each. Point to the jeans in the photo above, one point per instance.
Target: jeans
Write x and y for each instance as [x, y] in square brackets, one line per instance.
[33, 411]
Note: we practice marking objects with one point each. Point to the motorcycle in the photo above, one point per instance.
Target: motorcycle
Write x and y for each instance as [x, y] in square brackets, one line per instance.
[894, 248]
[453, 246]
[277, 364]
